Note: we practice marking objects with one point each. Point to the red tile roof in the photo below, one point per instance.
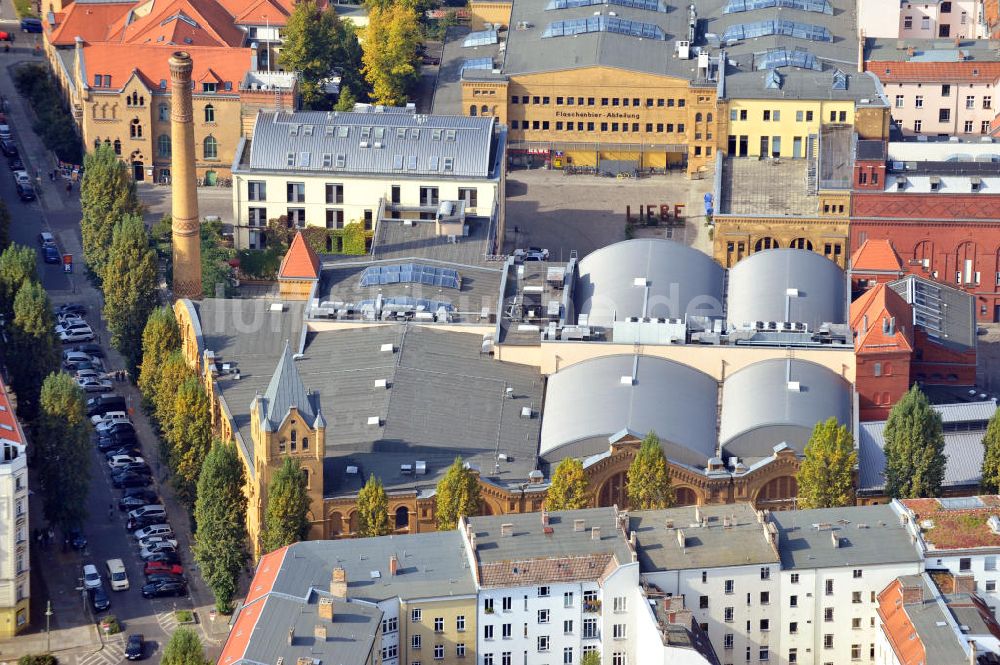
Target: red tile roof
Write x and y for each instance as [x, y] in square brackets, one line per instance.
[150, 63]
[880, 304]
[10, 428]
[898, 628]
[204, 22]
[876, 255]
[300, 262]
[268, 12]
[263, 582]
[90, 22]
[923, 72]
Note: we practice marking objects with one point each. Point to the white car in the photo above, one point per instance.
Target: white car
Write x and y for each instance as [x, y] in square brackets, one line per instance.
[68, 326]
[109, 419]
[532, 254]
[69, 317]
[21, 178]
[145, 533]
[81, 335]
[156, 548]
[147, 543]
[87, 374]
[94, 385]
[5, 132]
[91, 578]
[124, 460]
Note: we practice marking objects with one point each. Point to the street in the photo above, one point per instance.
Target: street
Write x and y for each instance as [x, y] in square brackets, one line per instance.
[57, 573]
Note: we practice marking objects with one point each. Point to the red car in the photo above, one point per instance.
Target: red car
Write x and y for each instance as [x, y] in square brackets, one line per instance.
[157, 567]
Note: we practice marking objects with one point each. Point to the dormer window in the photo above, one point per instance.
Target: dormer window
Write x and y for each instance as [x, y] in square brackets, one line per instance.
[208, 86]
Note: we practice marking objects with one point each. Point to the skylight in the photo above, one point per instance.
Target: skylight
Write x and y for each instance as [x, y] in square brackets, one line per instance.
[782, 57]
[648, 5]
[482, 38]
[816, 33]
[604, 24]
[815, 6]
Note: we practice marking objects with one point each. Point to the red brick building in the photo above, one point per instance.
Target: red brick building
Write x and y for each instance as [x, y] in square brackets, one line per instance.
[874, 262]
[883, 343]
[939, 217]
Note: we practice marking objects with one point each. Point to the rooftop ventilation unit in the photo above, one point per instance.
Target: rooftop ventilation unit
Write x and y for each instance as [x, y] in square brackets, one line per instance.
[627, 380]
[794, 387]
[420, 468]
[526, 411]
[375, 421]
[381, 383]
[351, 470]
[387, 348]
[277, 307]
[406, 469]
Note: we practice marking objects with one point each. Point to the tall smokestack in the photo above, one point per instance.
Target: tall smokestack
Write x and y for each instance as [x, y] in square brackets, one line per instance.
[184, 194]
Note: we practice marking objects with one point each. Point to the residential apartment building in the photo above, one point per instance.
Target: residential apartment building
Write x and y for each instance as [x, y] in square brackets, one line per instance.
[328, 170]
[15, 541]
[904, 19]
[938, 88]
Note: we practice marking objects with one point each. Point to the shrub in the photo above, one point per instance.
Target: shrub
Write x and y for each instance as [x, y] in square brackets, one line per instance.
[110, 625]
[45, 659]
[184, 616]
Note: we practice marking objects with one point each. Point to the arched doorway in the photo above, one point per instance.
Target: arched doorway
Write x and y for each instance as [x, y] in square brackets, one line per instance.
[353, 522]
[210, 178]
[138, 167]
[485, 508]
[685, 496]
[336, 523]
[402, 517]
[778, 493]
[613, 492]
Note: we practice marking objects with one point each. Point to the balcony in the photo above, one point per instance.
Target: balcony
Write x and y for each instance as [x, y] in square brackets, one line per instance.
[592, 606]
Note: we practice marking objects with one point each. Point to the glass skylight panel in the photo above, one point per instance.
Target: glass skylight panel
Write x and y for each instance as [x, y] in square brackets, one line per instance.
[773, 80]
[477, 63]
[839, 80]
[648, 5]
[481, 38]
[816, 33]
[815, 6]
[602, 23]
[410, 273]
[781, 57]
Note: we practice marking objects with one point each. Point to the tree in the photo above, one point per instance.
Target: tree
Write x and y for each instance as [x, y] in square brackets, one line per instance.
[568, 490]
[107, 194]
[286, 517]
[914, 448]
[389, 52]
[184, 648]
[4, 226]
[174, 372]
[457, 495]
[591, 658]
[160, 338]
[317, 45]
[63, 452]
[220, 513]
[17, 266]
[33, 352]
[346, 100]
[991, 456]
[373, 509]
[130, 283]
[648, 478]
[189, 437]
[826, 475]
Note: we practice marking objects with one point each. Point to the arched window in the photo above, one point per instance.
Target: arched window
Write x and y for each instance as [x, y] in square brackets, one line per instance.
[211, 147]
[708, 117]
[484, 110]
[118, 147]
[878, 369]
[135, 129]
[801, 243]
[885, 399]
[305, 443]
[765, 243]
[142, 101]
[697, 117]
[305, 477]
[295, 440]
[97, 143]
[472, 110]
[209, 113]
[163, 145]
[887, 369]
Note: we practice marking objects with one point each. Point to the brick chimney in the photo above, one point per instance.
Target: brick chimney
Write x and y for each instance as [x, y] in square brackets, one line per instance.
[834, 539]
[338, 583]
[393, 565]
[325, 609]
[965, 584]
[319, 632]
[545, 518]
[913, 594]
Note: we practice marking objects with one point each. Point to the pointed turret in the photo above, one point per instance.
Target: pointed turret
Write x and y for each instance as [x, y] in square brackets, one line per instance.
[299, 269]
[286, 391]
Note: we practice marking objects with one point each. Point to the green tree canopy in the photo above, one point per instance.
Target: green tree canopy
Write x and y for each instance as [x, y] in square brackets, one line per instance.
[184, 648]
[174, 372]
[130, 283]
[17, 266]
[648, 478]
[826, 475]
[568, 490]
[4, 226]
[389, 52]
[591, 658]
[220, 513]
[160, 338]
[457, 495]
[914, 448]
[991, 456]
[189, 437]
[373, 509]
[286, 517]
[33, 352]
[317, 45]
[346, 100]
[63, 452]
[107, 194]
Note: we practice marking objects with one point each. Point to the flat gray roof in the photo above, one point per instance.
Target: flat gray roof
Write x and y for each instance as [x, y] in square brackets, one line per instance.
[868, 535]
[932, 624]
[430, 565]
[589, 402]
[742, 542]
[932, 50]
[395, 240]
[749, 186]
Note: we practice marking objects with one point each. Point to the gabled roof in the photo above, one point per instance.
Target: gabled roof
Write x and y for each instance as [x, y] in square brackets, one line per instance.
[876, 255]
[269, 12]
[913, 72]
[150, 63]
[286, 391]
[183, 22]
[870, 316]
[300, 262]
[10, 428]
[90, 22]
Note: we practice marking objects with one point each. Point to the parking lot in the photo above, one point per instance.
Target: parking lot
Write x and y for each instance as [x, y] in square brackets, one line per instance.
[583, 213]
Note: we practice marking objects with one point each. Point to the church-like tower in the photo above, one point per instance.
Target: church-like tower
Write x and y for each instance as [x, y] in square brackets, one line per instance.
[184, 192]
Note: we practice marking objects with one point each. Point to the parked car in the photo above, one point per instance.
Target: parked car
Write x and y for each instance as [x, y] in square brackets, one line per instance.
[124, 450]
[133, 502]
[131, 480]
[108, 444]
[115, 428]
[77, 540]
[164, 557]
[140, 523]
[50, 254]
[149, 495]
[154, 567]
[70, 358]
[74, 308]
[26, 192]
[87, 373]
[31, 25]
[93, 384]
[154, 548]
[163, 577]
[160, 541]
[133, 467]
[98, 406]
[9, 148]
[159, 529]
[64, 319]
[99, 599]
[164, 588]
[21, 177]
[91, 578]
[5, 131]
[72, 324]
[135, 647]
[532, 254]
[149, 510]
[117, 575]
[15, 163]
[110, 418]
[71, 336]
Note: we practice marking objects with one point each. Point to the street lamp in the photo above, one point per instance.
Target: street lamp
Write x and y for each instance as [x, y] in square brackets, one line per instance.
[48, 616]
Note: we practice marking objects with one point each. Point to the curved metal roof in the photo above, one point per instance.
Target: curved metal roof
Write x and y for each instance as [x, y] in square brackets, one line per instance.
[681, 281]
[761, 410]
[588, 403]
[760, 284]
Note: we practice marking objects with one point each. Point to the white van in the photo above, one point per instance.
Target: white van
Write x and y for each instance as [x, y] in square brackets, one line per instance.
[117, 575]
[154, 530]
[150, 510]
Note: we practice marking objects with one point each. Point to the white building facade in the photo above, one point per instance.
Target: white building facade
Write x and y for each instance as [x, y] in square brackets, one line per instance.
[15, 530]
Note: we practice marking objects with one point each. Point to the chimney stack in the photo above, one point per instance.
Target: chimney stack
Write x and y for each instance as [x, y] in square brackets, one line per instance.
[326, 609]
[579, 525]
[681, 540]
[965, 584]
[506, 530]
[472, 542]
[185, 230]
[595, 533]
[913, 594]
[291, 635]
[338, 583]
[834, 539]
[545, 518]
[393, 565]
[861, 52]
[319, 632]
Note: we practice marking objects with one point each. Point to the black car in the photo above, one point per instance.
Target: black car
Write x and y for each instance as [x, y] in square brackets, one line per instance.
[149, 495]
[15, 164]
[99, 599]
[26, 192]
[104, 444]
[9, 148]
[77, 539]
[89, 349]
[74, 308]
[134, 467]
[135, 648]
[133, 502]
[131, 480]
[98, 406]
[164, 557]
[131, 451]
[163, 577]
[120, 429]
[164, 588]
